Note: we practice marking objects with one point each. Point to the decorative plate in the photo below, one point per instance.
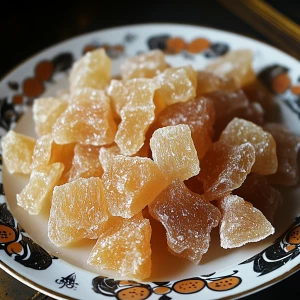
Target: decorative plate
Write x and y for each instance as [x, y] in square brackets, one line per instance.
[63, 273]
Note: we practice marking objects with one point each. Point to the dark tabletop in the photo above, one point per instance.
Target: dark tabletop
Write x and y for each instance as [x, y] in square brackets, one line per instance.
[27, 27]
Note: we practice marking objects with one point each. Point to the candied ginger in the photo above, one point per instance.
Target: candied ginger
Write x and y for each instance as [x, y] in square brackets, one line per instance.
[17, 151]
[188, 219]
[224, 168]
[78, 211]
[240, 131]
[174, 152]
[131, 183]
[241, 223]
[125, 248]
[42, 152]
[38, 191]
[107, 155]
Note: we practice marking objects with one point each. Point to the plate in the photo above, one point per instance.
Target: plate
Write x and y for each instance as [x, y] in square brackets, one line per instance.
[63, 273]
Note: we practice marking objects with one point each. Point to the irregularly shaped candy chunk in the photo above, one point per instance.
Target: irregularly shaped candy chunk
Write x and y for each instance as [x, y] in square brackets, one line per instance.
[241, 223]
[131, 183]
[236, 65]
[85, 162]
[125, 248]
[174, 152]
[198, 113]
[93, 70]
[224, 168]
[45, 113]
[37, 193]
[145, 65]
[78, 211]
[17, 151]
[256, 190]
[107, 155]
[87, 121]
[240, 131]
[42, 152]
[188, 219]
[287, 147]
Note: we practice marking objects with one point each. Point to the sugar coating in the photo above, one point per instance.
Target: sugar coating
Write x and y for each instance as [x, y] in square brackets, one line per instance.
[145, 65]
[17, 151]
[240, 131]
[45, 113]
[107, 155]
[287, 148]
[224, 168]
[78, 211]
[188, 219]
[125, 248]
[256, 190]
[85, 162]
[42, 152]
[241, 223]
[38, 191]
[93, 70]
[235, 64]
[131, 183]
[87, 121]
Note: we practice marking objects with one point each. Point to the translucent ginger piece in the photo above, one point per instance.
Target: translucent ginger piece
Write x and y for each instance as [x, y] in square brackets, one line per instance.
[256, 190]
[198, 113]
[107, 155]
[87, 121]
[45, 113]
[17, 151]
[78, 211]
[188, 219]
[125, 248]
[85, 162]
[145, 65]
[42, 152]
[241, 223]
[131, 183]
[235, 64]
[254, 113]
[174, 152]
[38, 191]
[287, 148]
[240, 131]
[93, 70]
[224, 168]
[208, 82]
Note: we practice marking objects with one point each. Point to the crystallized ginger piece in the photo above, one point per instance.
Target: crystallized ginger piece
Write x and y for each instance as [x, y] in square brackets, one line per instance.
[42, 152]
[38, 191]
[174, 152]
[125, 248]
[107, 155]
[241, 223]
[131, 183]
[78, 211]
[188, 219]
[17, 151]
[240, 131]
[145, 65]
[224, 168]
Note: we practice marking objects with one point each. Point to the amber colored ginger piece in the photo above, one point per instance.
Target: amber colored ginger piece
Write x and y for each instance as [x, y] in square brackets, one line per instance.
[174, 152]
[241, 223]
[256, 190]
[38, 191]
[93, 70]
[145, 65]
[240, 131]
[17, 151]
[78, 211]
[287, 148]
[87, 121]
[45, 113]
[188, 219]
[125, 247]
[235, 64]
[42, 152]
[107, 155]
[131, 183]
[224, 168]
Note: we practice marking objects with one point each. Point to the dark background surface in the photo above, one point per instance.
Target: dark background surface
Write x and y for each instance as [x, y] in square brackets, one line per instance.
[27, 27]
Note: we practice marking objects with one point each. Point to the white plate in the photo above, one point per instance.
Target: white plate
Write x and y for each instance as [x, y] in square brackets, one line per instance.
[69, 276]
